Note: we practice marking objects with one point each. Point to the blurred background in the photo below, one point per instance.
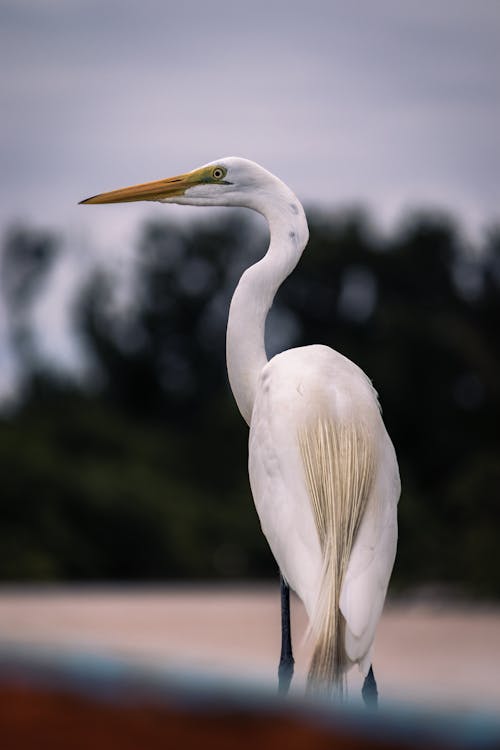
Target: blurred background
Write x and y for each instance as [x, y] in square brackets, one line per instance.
[123, 456]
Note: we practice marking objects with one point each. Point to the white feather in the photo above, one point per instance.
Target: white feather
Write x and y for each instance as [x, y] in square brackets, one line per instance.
[281, 399]
[294, 386]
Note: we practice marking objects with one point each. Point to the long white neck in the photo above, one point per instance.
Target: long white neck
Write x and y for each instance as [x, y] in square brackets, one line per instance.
[245, 344]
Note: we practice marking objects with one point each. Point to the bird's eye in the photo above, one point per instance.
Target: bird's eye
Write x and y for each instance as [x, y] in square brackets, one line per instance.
[218, 173]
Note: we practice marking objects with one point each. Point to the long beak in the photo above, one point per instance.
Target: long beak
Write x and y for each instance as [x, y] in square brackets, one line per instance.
[150, 191]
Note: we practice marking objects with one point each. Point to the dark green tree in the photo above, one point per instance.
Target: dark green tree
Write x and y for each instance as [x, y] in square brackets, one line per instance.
[145, 476]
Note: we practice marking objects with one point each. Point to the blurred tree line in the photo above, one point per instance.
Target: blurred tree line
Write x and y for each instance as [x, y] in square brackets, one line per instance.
[141, 472]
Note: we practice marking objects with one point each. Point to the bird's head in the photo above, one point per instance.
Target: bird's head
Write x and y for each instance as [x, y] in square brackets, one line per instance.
[231, 181]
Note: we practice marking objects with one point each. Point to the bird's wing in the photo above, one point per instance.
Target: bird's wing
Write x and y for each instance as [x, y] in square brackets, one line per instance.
[276, 478]
[370, 564]
[293, 387]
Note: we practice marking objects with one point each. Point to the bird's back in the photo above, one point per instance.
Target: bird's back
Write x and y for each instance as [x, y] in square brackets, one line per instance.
[312, 401]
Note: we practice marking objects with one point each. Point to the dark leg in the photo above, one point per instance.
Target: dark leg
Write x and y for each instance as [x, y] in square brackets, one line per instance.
[285, 669]
[369, 690]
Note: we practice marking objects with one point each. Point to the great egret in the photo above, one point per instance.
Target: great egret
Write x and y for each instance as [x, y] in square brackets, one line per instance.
[323, 470]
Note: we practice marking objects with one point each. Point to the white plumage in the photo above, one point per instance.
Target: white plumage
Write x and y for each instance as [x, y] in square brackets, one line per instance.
[322, 468]
[294, 387]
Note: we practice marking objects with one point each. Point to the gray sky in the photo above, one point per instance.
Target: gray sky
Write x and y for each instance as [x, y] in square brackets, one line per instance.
[389, 103]
[392, 103]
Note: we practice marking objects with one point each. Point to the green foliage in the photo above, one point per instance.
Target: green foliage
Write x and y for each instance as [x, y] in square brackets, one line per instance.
[145, 477]
[94, 494]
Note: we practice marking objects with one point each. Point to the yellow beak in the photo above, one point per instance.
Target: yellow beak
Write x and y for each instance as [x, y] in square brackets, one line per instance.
[151, 191]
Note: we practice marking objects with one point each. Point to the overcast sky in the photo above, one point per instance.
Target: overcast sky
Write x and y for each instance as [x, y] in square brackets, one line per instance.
[392, 103]
[389, 103]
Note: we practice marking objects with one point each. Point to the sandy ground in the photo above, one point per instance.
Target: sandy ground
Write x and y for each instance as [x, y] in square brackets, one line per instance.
[444, 656]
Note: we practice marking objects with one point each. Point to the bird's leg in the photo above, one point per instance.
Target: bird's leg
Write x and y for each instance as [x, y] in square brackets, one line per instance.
[369, 690]
[285, 669]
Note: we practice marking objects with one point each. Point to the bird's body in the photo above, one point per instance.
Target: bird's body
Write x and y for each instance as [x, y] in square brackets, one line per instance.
[297, 389]
[322, 468]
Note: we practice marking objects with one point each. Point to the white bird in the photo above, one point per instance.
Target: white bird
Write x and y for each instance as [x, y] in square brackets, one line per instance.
[323, 470]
